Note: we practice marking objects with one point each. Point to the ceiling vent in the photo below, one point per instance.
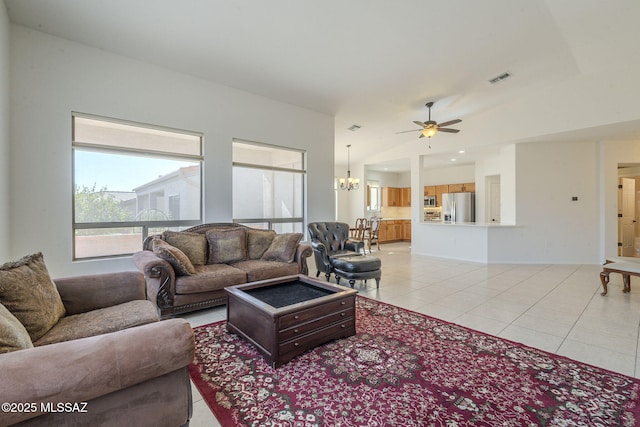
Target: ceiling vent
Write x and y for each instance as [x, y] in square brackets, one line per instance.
[353, 128]
[500, 78]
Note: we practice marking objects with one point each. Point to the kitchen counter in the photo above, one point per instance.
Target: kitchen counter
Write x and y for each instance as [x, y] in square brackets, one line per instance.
[469, 241]
[468, 224]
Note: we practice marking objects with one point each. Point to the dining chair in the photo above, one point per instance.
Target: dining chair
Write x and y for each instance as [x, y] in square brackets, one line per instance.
[360, 230]
[372, 233]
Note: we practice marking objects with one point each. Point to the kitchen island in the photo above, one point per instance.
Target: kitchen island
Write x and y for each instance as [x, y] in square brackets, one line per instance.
[468, 241]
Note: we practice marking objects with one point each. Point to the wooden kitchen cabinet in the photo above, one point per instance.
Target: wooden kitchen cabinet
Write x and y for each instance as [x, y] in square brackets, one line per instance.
[396, 234]
[382, 232]
[394, 196]
[394, 230]
[462, 188]
[455, 188]
[440, 190]
[406, 230]
[390, 196]
[405, 196]
[430, 190]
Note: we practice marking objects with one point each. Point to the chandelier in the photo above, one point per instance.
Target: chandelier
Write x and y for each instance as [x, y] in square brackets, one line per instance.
[349, 183]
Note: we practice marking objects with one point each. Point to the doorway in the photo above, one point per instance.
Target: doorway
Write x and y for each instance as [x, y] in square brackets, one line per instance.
[628, 210]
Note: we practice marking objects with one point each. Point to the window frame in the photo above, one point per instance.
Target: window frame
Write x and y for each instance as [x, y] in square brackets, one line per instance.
[270, 222]
[119, 150]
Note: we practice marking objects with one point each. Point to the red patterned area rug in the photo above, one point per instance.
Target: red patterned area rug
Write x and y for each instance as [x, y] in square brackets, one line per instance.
[406, 369]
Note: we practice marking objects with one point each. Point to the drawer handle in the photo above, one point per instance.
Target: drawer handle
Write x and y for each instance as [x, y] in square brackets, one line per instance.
[343, 314]
[296, 317]
[295, 331]
[343, 302]
[296, 344]
[343, 326]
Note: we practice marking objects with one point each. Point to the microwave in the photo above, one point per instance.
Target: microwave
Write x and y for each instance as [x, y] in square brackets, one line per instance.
[430, 200]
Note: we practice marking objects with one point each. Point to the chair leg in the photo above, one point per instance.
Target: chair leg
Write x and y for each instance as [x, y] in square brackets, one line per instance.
[604, 279]
[626, 281]
[328, 276]
[317, 273]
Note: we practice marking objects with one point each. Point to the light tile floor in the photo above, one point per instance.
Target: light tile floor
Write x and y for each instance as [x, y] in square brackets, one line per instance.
[557, 308]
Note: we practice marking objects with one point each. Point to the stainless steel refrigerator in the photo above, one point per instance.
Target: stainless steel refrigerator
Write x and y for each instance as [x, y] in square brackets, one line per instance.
[459, 207]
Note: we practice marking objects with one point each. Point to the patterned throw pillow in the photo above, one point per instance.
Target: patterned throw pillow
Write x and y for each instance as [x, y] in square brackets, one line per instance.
[258, 241]
[28, 292]
[13, 336]
[283, 248]
[178, 260]
[193, 245]
[227, 245]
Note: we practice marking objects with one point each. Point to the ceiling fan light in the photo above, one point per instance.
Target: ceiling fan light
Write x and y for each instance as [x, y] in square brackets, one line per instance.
[429, 132]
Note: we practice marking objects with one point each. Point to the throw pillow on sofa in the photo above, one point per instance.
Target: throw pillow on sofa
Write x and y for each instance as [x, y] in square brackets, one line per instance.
[258, 241]
[227, 245]
[28, 292]
[13, 335]
[283, 247]
[178, 260]
[193, 245]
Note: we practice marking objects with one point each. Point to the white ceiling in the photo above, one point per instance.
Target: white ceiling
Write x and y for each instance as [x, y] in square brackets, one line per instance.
[375, 63]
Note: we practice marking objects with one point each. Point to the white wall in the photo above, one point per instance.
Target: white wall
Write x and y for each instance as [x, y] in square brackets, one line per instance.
[5, 201]
[550, 227]
[51, 77]
[353, 204]
[449, 175]
[555, 228]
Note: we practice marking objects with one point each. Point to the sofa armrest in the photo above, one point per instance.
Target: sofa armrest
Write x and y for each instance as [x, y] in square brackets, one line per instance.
[94, 291]
[160, 278]
[303, 252]
[84, 369]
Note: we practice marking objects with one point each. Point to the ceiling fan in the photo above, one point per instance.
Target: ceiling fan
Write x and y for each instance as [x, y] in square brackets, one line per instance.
[431, 127]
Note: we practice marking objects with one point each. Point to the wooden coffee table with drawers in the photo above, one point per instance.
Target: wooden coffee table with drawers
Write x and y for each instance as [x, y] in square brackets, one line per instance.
[287, 316]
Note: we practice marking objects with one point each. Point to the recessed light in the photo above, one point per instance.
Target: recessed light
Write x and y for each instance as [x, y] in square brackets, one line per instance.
[461, 152]
[452, 160]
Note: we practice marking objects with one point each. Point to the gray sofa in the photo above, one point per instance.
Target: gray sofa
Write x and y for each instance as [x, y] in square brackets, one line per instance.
[107, 359]
[188, 270]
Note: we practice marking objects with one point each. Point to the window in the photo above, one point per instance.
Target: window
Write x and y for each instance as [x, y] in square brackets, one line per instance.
[131, 180]
[268, 186]
[373, 196]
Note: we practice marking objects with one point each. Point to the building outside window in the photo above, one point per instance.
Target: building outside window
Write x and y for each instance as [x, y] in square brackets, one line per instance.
[268, 186]
[131, 180]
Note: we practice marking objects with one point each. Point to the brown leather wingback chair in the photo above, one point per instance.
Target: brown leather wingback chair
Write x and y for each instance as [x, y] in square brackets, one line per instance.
[330, 240]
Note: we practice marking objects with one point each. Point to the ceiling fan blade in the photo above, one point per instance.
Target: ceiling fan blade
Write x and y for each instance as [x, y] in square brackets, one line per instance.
[412, 130]
[421, 135]
[449, 123]
[419, 123]
[448, 130]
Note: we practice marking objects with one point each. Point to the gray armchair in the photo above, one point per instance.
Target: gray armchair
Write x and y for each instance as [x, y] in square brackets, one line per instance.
[331, 240]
